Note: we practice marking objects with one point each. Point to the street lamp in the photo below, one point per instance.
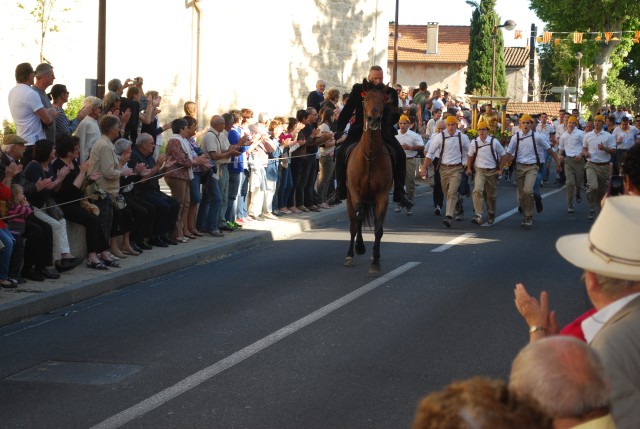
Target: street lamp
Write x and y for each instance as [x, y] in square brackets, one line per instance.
[508, 25]
[578, 57]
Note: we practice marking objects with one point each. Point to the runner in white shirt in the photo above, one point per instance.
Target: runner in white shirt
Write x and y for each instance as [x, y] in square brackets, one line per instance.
[527, 148]
[484, 155]
[570, 151]
[411, 142]
[598, 146]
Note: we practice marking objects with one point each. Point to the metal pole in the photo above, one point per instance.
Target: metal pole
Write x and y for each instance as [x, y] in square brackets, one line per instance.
[102, 29]
[394, 77]
[493, 63]
[578, 86]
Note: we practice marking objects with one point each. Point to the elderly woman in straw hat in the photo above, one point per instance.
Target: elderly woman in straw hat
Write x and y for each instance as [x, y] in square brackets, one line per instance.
[610, 258]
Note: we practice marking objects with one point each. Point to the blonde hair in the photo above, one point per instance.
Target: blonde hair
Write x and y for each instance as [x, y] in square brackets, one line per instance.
[15, 190]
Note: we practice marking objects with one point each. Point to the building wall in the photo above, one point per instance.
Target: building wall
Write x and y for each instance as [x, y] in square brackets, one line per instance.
[264, 56]
[450, 77]
[517, 83]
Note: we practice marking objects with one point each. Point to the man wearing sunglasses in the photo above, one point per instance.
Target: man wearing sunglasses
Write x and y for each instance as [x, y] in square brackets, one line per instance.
[527, 148]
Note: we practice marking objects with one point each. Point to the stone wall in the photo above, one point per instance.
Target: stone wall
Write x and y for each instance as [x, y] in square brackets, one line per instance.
[263, 55]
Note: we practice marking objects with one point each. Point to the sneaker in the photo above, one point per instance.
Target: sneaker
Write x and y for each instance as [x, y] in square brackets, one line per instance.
[578, 198]
[398, 208]
[459, 218]
[570, 209]
[592, 214]
[235, 224]
[477, 219]
[409, 212]
[437, 211]
[447, 221]
[216, 233]
[537, 199]
[491, 217]
[527, 222]
[270, 216]
[303, 209]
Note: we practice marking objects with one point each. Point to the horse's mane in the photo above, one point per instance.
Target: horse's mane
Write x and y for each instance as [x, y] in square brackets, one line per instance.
[377, 87]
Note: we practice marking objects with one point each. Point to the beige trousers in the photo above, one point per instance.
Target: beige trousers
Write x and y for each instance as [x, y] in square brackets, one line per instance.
[485, 189]
[525, 180]
[574, 172]
[450, 179]
[597, 178]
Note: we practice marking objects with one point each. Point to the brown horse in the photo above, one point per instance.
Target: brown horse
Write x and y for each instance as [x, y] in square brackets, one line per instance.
[369, 177]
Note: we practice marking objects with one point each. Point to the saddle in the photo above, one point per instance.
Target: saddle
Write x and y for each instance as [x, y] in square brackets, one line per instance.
[390, 150]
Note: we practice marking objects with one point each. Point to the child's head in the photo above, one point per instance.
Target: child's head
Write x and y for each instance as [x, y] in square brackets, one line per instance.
[17, 194]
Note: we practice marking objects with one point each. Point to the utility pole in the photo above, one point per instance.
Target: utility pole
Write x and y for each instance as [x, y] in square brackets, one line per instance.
[102, 31]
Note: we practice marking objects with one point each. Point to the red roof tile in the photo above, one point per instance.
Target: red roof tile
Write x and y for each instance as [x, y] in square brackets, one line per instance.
[453, 44]
[534, 108]
[516, 57]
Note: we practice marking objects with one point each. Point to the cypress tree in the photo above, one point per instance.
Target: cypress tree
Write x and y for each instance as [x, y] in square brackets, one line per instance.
[481, 52]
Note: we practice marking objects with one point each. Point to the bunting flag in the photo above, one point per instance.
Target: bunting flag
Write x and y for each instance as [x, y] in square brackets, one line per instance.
[607, 36]
[556, 42]
[636, 41]
[577, 37]
[598, 38]
[546, 36]
[637, 36]
[581, 36]
[539, 39]
[517, 34]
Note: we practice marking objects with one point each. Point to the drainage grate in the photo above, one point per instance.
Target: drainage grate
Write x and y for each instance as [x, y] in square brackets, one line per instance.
[77, 372]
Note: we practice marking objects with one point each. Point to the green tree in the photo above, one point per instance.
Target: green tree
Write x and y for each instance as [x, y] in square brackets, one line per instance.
[480, 59]
[42, 11]
[591, 16]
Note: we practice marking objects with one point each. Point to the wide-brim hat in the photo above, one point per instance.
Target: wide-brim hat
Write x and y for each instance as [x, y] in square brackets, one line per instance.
[611, 247]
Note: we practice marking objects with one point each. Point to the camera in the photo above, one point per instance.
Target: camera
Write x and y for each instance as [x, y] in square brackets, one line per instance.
[616, 185]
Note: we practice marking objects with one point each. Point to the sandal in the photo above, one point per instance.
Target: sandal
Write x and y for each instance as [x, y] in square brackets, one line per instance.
[96, 265]
[190, 236]
[110, 263]
[196, 233]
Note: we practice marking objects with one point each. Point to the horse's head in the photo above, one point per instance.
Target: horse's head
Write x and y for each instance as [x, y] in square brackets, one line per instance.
[373, 100]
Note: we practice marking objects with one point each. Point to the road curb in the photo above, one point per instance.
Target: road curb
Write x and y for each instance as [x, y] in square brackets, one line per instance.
[48, 301]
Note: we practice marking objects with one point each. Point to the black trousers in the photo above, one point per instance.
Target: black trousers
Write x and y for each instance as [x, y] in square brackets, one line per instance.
[144, 217]
[96, 241]
[166, 210]
[38, 249]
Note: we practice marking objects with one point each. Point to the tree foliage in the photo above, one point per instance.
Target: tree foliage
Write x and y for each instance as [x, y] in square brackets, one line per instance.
[592, 16]
[42, 11]
[480, 59]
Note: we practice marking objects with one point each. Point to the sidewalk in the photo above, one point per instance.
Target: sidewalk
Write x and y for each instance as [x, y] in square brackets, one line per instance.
[35, 298]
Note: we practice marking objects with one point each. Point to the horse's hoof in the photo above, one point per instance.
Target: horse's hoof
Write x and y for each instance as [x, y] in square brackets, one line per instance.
[360, 249]
[348, 261]
[374, 268]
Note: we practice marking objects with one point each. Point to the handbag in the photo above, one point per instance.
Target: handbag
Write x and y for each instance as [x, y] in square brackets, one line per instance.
[120, 202]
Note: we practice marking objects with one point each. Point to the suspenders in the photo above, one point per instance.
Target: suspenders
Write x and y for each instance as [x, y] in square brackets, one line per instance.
[535, 148]
[442, 147]
[493, 153]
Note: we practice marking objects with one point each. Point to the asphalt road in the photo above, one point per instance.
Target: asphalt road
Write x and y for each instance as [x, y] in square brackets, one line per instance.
[283, 336]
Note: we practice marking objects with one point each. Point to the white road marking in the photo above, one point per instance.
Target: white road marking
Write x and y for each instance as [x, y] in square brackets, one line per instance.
[453, 242]
[205, 374]
[503, 216]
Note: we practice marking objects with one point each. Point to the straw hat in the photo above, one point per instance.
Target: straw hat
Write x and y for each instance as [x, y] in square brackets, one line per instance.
[12, 139]
[609, 248]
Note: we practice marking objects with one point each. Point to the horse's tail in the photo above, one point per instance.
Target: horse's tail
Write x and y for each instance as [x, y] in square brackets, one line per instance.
[367, 210]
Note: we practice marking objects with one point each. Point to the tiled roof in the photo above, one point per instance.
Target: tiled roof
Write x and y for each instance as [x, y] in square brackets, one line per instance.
[516, 57]
[453, 44]
[534, 107]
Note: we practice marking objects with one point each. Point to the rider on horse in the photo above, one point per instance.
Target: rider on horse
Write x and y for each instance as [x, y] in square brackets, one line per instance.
[389, 119]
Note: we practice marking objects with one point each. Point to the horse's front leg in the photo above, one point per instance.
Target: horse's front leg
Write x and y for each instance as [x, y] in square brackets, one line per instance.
[348, 261]
[380, 214]
[360, 216]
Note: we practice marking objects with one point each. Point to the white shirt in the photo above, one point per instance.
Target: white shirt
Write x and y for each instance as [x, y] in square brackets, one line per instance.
[592, 325]
[546, 129]
[559, 128]
[591, 142]
[88, 132]
[526, 153]
[437, 104]
[627, 138]
[484, 158]
[24, 102]
[451, 154]
[412, 139]
[431, 127]
[571, 143]
[212, 141]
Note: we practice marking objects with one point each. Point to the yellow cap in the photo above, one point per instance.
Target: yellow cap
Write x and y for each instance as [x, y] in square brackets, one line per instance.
[482, 124]
[526, 117]
[572, 119]
[451, 120]
[599, 118]
[404, 118]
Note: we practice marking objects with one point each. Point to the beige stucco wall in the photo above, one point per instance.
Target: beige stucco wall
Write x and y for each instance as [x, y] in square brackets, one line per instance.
[256, 54]
[450, 77]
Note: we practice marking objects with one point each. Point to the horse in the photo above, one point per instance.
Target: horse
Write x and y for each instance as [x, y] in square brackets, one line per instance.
[369, 177]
